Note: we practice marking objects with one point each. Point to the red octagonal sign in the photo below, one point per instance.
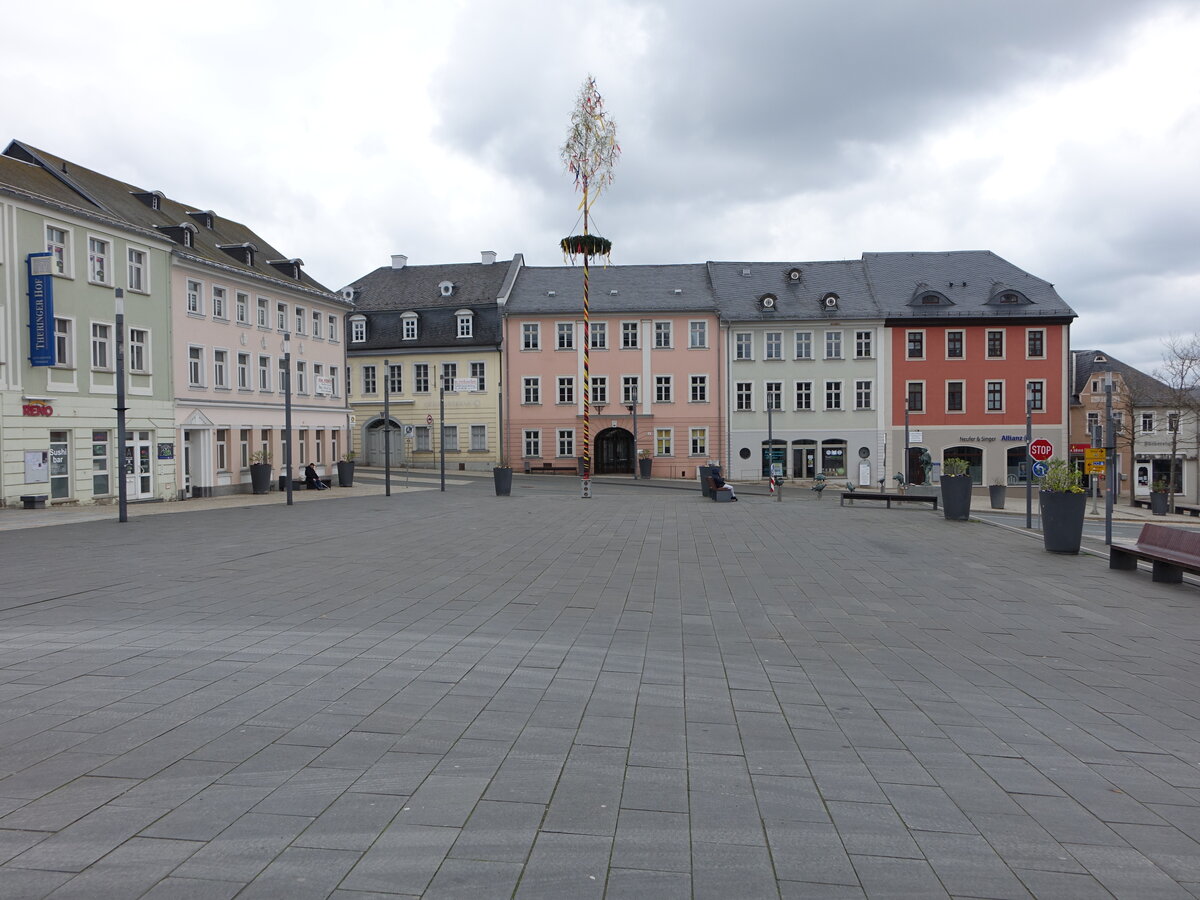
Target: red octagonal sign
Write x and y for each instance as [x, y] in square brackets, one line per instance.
[1041, 449]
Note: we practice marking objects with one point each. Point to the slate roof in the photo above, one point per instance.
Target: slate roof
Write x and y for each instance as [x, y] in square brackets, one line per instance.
[967, 278]
[436, 327]
[110, 197]
[417, 287]
[740, 286]
[1145, 390]
[639, 289]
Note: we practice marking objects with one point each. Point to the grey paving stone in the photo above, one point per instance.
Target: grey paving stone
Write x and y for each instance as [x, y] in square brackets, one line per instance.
[29, 884]
[129, 870]
[638, 884]
[1062, 885]
[566, 865]
[652, 840]
[461, 878]
[503, 832]
[809, 852]
[244, 849]
[885, 876]
[352, 822]
[404, 859]
[80, 844]
[967, 866]
[299, 873]
[721, 871]
[872, 829]
[173, 888]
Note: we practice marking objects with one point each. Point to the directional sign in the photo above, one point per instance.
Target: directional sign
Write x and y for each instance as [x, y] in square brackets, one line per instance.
[1039, 469]
[1094, 455]
[1041, 449]
[1094, 468]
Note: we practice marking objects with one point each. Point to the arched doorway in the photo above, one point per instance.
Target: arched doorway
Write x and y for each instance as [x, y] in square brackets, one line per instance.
[1016, 465]
[973, 456]
[612, 452]
[919, 464]
[373, 441]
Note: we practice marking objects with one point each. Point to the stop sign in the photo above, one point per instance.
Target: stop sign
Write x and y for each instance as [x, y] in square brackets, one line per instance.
[1041, 449]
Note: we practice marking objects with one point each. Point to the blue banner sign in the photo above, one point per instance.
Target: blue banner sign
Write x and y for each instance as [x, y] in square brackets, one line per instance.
[41, 309]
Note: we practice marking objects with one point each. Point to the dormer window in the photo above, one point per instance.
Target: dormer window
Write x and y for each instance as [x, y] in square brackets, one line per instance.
[408, 327]
[1006, 296]
[465, 319]
[446, 287]
[926, 297]
[204, 216]
[183, 233]
[358, 329]
[243, 252]
[289, 267]
[152, 199]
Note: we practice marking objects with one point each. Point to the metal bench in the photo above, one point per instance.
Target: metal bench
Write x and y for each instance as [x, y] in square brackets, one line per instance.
[719, 494]
[890, 498]
[1170, 552]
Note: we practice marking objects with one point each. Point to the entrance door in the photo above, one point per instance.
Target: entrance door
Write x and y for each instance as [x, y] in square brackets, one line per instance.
[804, 459]
[139, 465]
[376, 442]
[60, 465]
[613, 452]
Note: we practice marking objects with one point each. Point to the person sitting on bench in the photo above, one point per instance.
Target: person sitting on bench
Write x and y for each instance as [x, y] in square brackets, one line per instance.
[312, 479]
[720, 484]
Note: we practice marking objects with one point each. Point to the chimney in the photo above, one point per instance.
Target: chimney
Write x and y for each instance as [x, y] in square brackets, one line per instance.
[399, 260]
[489, 257]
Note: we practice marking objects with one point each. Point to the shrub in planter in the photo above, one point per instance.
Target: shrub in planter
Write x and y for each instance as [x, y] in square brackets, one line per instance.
[1062, 501]
[956, 489]
[260, 472]
[1160, 498]
[997, 492]
[345, 470]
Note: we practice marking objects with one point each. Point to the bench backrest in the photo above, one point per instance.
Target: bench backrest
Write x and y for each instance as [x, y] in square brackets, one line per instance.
[1164, 537]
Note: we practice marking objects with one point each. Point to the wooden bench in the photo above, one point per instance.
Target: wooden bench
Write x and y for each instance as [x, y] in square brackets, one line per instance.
[299, 483]
[719, 494]
[1170, 552]
[550, 469]
[1180, 508]
[890, 498]
[33, 501]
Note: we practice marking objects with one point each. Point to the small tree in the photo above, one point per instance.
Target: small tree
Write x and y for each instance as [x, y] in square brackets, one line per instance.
[1180, 372]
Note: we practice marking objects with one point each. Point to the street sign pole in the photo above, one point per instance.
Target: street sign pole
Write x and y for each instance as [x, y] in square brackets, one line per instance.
[387, 428]
[442, 426]
[1029, 464]
[1109, 442]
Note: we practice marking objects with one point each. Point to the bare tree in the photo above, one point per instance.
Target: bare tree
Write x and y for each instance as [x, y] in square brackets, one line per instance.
[1180, 372]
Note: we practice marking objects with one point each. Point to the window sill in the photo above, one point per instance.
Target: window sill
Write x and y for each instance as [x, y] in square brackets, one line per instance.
[103, 284]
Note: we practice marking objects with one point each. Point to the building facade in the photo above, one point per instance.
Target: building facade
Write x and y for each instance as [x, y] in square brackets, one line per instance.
[65, 259]
[654, 370]
[426, 339]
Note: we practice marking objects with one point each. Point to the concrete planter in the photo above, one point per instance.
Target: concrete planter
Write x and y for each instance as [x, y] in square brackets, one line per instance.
[1062, 520]
[997, 494]
[260, 477]
[644, 467]
[502, 476]
[345, 469]
[1159, 503]
[956, 497]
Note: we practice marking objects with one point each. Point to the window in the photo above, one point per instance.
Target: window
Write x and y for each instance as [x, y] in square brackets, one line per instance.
[423, 439]
[743, 345]
[98, 260]
[954, 345]
[101, 483]
[995, 344]
[1035, 392]
[449, 373]
[333, 389]
[699, 392]
[565, 332]
[265, 446]
[358, 330]
[301, 319]
[101, 345]
[241, 306]
[915, 396]
[863, 344]
[57, 243]
[1035, 343]
[954, 396]
[833, 395]
[916, 345]
[319, 443]
[833, 345]
[1093, 422]
[566, 442]
[195, 297]
[533, 442]
[743, 393]
[450, 437]
[281, 318]
[663, 389]
[804, 395]
[284, 376]
[301, 377]
[219, 310]
[699, 441]
[773, 345]
[995, 396]
[243, 371]
[136, 277]
[409, 321]
[629, 335]
[662, 441]
[773, 395]
[368, 380]
[316, 324]
[1172, 422]
[262, 312]
[1147, 423]
[599, 335]
[566, 389]
[319, 387]
[64, 343]
[599, 389]
[264, 373]
[479, 437]
[244, 447]
[530, 336]
[662, 334]
[196, 366]
[421, 378]
[139, 341]
[221, 368]
[531, 389]
[332, 331]
[395, 378]
[479, 373]
[804, 345]
[697, 335]
[862, 395]
[465, 324]
[629, 389]
[222, 449]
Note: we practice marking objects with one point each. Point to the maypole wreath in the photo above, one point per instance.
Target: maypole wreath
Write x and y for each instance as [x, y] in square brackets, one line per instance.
[589, 154]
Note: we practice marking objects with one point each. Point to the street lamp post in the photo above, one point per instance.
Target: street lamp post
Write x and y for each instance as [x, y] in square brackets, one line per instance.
[1110, 440]
[287, 415]
[632, 407]
[387, 428]
[1028, 459]
[906, 437]
[122, 488]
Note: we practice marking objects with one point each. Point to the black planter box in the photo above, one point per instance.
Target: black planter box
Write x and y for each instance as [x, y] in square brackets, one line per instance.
[956, 497]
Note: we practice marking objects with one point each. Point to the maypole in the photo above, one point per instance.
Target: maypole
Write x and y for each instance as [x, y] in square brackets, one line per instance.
[589, 154]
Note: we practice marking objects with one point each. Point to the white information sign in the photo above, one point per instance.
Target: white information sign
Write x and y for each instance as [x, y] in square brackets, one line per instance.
[466, 385]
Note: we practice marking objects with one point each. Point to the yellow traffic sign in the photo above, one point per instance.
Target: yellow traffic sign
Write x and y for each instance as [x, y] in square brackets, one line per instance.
[1094, 468]
[1094, 455]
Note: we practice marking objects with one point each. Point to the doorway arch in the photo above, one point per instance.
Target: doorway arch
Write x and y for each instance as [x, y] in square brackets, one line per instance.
[373, 442]
[613, 452]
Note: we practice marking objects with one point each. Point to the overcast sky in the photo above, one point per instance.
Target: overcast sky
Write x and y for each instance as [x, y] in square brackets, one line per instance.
[1063, 135]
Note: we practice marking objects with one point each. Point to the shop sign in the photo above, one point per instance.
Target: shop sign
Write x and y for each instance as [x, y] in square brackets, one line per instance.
[977, 438]
[41, 309]
[166, 451]
[37, 408]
